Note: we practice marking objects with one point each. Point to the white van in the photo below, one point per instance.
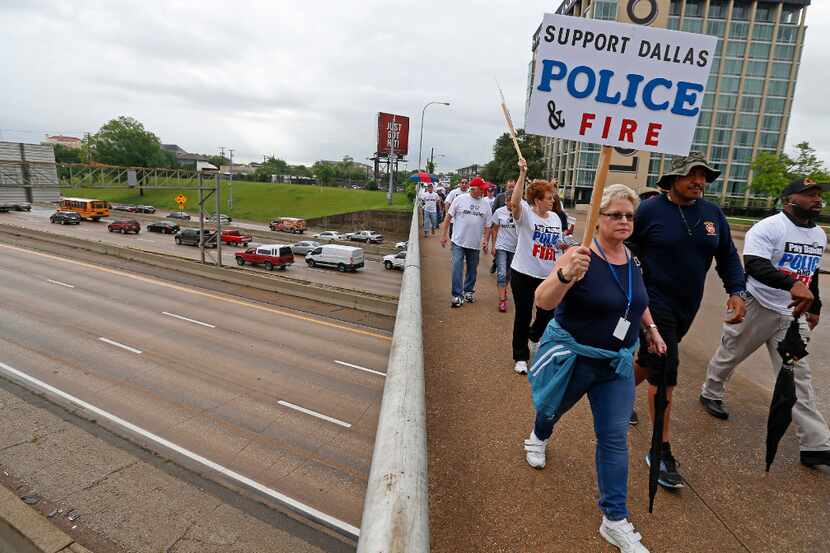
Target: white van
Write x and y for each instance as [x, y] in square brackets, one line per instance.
[333, 255]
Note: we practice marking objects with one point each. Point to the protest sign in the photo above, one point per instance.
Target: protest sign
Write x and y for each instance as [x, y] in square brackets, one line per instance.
[617, 84]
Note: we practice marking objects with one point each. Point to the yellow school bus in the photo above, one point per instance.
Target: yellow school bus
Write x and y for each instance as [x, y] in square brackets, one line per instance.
[86, 208]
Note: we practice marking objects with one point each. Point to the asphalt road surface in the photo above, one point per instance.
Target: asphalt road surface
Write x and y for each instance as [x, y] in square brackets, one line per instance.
[284, 399]
[373, 277]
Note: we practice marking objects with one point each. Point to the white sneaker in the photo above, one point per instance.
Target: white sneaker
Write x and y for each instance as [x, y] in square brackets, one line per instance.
[622, 535]
[535, 449]
[520, 367]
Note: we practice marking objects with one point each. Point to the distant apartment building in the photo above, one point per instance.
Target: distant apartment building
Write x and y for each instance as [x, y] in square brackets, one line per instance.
[746, 109]
[185, 159]
[470, 171]
[66, 141]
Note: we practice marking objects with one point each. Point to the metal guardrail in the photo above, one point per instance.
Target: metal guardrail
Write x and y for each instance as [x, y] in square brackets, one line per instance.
[395, 511]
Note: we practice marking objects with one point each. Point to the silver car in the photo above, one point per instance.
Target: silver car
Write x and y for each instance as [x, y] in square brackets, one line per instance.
[302, 248]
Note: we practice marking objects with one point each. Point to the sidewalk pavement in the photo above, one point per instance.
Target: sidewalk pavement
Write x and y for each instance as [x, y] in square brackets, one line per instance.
[485, 498]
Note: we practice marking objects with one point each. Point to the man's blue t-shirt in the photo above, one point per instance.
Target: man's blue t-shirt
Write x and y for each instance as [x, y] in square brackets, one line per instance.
[676, 246]
[592, 308]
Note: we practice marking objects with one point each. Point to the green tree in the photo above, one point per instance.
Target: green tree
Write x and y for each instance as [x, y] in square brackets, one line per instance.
[806, 163]
[300, 171]
[125, 142]
[219, 160]
[430, 166]
[67, 155]
[271, 166]
[504, 165]
[324, 172]
[770, 173]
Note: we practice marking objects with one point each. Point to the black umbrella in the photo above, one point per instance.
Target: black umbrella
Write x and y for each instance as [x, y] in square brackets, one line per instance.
[791, 349]
[655, 454]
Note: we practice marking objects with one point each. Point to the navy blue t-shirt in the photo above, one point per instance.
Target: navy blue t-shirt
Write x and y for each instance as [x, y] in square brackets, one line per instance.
[592, 308]
[674, 263]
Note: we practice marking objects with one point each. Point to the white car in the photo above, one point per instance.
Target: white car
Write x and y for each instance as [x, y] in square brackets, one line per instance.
[344, 258]
[401, 245]
[328, 236]
[395, 261]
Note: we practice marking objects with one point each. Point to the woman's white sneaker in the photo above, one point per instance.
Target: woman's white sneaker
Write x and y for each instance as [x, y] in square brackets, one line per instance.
[621, 533]
[520, 367]
[535, 451]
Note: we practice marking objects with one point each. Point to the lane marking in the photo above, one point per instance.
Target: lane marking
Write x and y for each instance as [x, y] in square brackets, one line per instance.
[200, 293]
[59, 283]
[194, 321]
[299, 506]
[358, 367]
[119, 345]
[315, 414]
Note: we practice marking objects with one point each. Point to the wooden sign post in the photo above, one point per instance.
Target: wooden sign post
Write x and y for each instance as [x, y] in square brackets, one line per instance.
[596, 195]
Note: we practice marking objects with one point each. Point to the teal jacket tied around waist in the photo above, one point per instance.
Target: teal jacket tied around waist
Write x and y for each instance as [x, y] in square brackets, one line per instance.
[553, 366]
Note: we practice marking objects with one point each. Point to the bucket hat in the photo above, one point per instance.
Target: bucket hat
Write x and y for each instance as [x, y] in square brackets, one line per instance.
[682, 166]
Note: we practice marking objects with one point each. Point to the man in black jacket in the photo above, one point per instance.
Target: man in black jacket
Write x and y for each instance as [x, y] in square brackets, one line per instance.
[782, 256]
[676, 237]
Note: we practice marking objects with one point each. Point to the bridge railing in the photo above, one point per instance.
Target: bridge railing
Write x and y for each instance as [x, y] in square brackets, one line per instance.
[395, 514]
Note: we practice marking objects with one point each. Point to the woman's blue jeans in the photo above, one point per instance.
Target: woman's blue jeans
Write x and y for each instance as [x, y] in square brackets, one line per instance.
[612, 399]
[503, 260]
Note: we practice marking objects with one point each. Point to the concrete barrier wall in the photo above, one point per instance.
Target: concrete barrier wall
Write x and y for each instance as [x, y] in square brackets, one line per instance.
[395, 511]
[380, 305]
[396, 223]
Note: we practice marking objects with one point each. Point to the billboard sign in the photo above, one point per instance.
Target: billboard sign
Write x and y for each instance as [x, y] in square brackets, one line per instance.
[617, 84]
[393, 134]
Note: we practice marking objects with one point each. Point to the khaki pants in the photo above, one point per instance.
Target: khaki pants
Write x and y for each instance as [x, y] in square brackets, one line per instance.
[739, 341]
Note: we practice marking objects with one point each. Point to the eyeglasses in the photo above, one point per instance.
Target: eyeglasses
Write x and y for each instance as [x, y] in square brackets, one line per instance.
[617, 216]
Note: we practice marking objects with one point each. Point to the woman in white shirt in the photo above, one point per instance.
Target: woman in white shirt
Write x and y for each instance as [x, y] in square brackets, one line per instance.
[539, 245]
[504, 239]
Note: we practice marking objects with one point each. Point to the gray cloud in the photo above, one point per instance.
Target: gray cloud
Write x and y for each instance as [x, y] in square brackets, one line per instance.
[301, 80]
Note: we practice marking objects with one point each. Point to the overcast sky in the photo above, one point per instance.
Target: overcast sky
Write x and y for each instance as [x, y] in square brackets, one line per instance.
[302, 80]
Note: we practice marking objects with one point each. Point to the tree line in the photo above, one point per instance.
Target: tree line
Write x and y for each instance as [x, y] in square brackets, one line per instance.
[124, 142]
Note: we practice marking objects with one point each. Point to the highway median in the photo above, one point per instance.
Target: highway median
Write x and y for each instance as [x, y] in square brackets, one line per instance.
[361, 301]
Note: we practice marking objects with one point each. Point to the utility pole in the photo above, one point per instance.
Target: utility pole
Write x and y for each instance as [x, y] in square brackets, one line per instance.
[230, 186]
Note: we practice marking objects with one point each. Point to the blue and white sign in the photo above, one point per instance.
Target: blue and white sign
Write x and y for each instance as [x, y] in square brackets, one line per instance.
[617, 84]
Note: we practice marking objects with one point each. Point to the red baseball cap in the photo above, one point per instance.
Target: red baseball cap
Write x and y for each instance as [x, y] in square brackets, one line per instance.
[479, 183]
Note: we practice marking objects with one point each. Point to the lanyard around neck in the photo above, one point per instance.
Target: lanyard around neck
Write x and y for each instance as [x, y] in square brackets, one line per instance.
[628, 293]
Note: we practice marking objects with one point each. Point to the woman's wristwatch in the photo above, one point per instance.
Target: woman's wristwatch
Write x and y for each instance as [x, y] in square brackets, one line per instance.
[561, 276]
[651, 326]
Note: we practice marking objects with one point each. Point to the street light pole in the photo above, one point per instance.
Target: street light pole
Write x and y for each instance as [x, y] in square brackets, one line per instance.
[421, 139]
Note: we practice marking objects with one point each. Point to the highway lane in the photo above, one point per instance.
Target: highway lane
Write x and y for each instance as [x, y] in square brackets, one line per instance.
[372, 278]
[213, 374]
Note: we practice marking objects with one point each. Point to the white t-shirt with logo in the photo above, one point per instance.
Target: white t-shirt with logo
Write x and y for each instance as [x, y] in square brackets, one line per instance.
[454, 193]
[793, 250]
[469, 218]
[430, 201]
[540, 243]
[507, 237]
[490, 201]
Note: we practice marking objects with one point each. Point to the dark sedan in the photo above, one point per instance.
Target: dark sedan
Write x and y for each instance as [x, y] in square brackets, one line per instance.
[178, 215]
[164, 227]
[65, 218]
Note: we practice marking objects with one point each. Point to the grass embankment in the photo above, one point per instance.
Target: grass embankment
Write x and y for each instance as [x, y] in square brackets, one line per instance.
[258, 201]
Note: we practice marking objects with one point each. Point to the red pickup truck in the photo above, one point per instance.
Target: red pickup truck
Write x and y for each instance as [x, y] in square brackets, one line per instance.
[233, 236]
[267, 255]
